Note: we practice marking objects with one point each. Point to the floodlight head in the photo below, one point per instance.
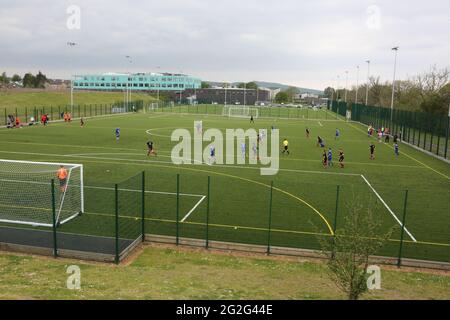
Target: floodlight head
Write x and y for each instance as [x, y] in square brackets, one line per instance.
[395, 48]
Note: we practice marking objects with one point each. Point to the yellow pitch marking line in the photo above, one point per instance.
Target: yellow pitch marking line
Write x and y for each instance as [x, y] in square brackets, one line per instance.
[261, 229]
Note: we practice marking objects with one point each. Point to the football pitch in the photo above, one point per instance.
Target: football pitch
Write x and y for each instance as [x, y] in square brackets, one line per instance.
[306, 202]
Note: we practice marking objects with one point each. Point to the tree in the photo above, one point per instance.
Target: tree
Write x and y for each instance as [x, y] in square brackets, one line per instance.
[251, 85]
[328, 92]
[349, 250]
[4, 78]
[282, 97]
[40, 80]
[291, 92]
[16, 78]
[205, 85]
[29, 80]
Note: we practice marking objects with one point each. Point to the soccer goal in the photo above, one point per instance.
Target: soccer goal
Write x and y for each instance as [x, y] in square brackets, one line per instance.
[27, 196]
[152, 107]
[240, 111]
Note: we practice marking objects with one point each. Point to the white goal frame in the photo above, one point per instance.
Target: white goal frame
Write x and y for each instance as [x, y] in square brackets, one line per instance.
[59, 204]
[242, 111]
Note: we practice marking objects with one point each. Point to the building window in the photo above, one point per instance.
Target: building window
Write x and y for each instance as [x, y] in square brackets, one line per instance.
[141, 85]
[146, 85]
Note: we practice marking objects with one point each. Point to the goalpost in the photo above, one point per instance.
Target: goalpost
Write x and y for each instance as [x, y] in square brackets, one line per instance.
[26, 195]
[240, 111]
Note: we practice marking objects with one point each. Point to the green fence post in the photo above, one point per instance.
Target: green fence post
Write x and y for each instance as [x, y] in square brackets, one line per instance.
[116, 205]
[143, 207]
[178, 211]
[446, 138]
[424, 141]
[336, 210]
[399, 261]
[207, 213]
[55, 245]
[270, 218]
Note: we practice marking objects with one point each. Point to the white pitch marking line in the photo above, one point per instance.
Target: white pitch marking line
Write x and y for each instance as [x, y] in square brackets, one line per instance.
[320, 124]
[389, 209]
[111, 189]
[169, 162]
[192, 210]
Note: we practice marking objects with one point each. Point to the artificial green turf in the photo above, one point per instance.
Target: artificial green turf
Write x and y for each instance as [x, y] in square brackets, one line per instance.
[239, 199]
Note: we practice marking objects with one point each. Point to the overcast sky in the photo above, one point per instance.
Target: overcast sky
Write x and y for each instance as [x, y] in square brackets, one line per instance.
[304, 43]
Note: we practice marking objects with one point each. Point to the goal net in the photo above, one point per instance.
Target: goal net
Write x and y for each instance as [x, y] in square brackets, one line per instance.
[26, 195]
[240, 111]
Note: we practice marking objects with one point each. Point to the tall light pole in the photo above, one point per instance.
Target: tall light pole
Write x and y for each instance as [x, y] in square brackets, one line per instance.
[346, 84]
[225, 85]
[128, 81]
[159, 82]
[357, 84]
[393, 81]
[337, 88]
[367, 84]
[71, 45]
[332, 91]
[245, 87]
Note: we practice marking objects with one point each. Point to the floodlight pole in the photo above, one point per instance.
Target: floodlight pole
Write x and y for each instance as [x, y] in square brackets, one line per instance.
[346, 84]
[245, 87]
[393, 82]
[367, 85]
[225, 87]
[71, 44]
[357, 84]
[337, 89]
[332, 92]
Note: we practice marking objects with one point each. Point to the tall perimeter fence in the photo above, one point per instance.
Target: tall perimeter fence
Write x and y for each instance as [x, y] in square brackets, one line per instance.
[55, 113]
[425, 131]
[202, 211]
[268, 111]
[107, 235]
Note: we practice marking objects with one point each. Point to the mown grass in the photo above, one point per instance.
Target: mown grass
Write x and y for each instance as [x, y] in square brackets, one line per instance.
[20, 100]
[165, 273]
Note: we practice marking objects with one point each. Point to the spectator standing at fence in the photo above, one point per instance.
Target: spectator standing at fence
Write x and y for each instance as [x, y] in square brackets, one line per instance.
[44, 119]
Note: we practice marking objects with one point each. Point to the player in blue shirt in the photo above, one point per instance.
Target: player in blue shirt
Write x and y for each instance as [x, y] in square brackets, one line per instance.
[337, 134]
[330, 157]
[117, 131]
[396, 149]
[212, 155]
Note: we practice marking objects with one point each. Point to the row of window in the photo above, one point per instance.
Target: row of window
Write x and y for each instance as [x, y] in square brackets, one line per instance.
[133, 85]
[141, 79]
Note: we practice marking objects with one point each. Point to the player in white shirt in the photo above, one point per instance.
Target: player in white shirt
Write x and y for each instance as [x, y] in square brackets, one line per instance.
[243, 150]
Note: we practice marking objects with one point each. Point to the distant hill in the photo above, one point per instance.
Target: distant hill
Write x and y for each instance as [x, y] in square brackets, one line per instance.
[272, 85]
